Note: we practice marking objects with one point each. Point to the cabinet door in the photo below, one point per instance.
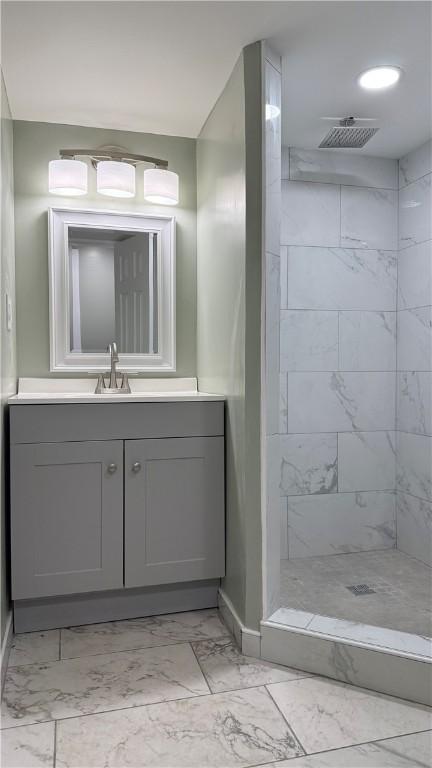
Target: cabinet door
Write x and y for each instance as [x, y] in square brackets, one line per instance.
[67, 518]
[174, 510]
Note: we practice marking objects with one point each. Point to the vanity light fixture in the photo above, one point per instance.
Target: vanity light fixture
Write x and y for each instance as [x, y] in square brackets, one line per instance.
[377, 78]
[115, 174]
[115, 179]
[161, 186]
[67, 177]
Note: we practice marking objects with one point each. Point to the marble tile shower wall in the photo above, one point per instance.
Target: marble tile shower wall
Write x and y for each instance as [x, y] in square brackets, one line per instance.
[414, 356]
[338, 352]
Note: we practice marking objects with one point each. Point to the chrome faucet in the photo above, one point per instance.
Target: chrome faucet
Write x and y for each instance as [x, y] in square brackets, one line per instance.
[113, 387]
[112, 349]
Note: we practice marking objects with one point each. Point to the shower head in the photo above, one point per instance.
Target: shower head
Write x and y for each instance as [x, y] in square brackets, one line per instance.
[347, 135]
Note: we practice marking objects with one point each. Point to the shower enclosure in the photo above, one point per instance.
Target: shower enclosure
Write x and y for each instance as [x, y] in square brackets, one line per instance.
[355, 426]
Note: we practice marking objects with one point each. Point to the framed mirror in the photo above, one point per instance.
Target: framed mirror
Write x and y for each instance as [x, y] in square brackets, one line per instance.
[112, 278]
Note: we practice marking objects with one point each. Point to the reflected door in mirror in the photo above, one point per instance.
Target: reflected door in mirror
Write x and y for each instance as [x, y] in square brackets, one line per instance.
[113, 290]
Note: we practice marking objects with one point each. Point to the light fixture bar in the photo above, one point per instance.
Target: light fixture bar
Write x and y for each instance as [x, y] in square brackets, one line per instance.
[99, 154]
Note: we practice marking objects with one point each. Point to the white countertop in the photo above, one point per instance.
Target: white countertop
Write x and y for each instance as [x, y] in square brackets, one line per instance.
[47, 391]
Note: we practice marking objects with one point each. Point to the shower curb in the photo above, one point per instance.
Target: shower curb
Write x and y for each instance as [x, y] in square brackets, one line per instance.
[374, 667]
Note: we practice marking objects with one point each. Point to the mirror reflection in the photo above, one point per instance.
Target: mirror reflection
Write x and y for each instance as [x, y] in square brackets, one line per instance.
[113, 277]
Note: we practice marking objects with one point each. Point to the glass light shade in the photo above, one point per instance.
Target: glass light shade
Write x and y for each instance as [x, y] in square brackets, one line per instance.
[115, 179]
[161, 187]
[379, 77]
[67, 177]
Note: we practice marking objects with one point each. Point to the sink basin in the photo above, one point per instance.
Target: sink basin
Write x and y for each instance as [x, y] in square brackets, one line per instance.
[83, 391]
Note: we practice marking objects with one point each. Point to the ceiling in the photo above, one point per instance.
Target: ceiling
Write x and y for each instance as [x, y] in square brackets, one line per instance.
[323, 58]
[160, 66]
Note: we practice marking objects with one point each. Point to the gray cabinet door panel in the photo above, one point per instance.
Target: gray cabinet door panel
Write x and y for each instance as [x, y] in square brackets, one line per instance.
[174, 510]
[67, 518]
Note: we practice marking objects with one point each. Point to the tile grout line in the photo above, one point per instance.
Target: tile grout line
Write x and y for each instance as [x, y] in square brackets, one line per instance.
[55, 745]
[306, 754]
[107, 711]
[414, 181]
[412, 245]
[413, 495]
[351, 746]
[357, 370]
[356, 309]
[120, 650]
[356, 186]
[350, 247]
[340, 492]
[355, 431]
[397, 355]
[285, 719]
[150, 704]
[201, 669]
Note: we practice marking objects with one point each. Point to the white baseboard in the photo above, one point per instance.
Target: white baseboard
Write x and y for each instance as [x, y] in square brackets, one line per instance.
[6, 646]
[248, 640]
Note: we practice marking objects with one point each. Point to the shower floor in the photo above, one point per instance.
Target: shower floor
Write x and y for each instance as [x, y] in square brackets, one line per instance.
[401, 599]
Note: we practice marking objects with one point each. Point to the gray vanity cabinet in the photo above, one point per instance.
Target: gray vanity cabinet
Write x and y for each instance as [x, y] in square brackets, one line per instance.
[66, 528]
[115, 497]
[174, 494]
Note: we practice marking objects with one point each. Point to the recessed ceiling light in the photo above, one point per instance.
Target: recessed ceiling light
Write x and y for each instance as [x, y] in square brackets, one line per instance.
[375, 78]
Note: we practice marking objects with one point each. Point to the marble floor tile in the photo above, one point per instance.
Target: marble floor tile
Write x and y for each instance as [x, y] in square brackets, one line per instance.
[30, 746]
[32, 647]
[227, 669]
[413, 751]
[141, 633]
[51, 691]
[328, 715]
[228, 729]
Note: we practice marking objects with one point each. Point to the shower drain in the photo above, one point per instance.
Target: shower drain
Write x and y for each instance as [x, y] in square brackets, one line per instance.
[361, 589]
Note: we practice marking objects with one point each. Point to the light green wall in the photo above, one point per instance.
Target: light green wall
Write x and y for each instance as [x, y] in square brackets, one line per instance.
[254, 264]
[228, 313]
[37, 143]
[221, 268]
[8, 340]
[218, 296]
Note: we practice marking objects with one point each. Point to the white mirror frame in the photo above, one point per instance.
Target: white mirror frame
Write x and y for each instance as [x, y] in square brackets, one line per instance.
[61, 357]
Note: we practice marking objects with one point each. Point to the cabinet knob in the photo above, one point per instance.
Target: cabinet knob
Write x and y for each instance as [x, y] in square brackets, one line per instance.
[136, 466]
[112, 468]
